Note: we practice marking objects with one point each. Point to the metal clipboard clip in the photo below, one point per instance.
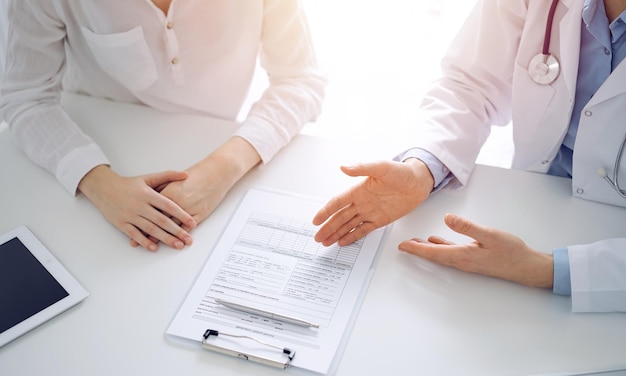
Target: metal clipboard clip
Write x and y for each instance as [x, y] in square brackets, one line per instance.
[290, 354]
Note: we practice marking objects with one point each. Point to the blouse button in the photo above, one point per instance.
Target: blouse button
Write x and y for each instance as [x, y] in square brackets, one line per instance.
[169, 26]
[175, 61]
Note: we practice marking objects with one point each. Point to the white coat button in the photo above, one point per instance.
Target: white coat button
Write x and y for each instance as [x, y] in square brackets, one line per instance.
[588, 113]
[580, 191]
[545, 161]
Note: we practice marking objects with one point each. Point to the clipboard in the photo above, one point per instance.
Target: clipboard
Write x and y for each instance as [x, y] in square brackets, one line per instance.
[268, 237]
[206, 343]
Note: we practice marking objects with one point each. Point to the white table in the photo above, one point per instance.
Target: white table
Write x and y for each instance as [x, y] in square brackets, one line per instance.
[417, 318]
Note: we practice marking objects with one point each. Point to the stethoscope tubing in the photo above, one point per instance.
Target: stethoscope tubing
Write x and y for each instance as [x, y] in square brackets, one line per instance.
[548, 33]
[615, 182]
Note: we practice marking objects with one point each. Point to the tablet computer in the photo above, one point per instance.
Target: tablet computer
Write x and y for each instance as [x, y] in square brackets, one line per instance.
[34, 286]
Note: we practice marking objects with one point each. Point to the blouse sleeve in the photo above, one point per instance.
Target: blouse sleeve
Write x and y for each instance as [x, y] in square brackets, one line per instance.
[296, 86]
[30, 90]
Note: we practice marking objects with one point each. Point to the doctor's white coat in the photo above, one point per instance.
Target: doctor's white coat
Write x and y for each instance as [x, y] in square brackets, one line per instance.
[486, 82]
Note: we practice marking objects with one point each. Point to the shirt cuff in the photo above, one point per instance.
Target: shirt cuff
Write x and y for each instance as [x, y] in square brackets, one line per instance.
[562, 284]
[441, 174]
[73, 167]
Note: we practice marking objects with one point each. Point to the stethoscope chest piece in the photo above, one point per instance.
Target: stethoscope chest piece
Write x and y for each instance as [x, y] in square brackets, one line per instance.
[544, 69]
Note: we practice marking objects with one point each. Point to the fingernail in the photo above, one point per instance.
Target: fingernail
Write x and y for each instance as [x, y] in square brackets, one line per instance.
[452, 219]
[188, 240]
[152, 247]
[178, 244]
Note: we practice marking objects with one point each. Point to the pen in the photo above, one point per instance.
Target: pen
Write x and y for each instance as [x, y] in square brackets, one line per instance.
[271, 315]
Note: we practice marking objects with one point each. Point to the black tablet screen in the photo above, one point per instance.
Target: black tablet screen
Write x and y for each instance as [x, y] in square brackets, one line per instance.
[26, 287]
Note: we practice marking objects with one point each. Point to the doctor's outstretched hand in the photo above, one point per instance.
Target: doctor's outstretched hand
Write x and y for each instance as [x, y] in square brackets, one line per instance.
[389, 191]
[493, 253]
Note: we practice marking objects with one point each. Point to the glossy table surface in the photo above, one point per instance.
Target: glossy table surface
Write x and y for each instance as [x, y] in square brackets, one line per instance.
[416, 318]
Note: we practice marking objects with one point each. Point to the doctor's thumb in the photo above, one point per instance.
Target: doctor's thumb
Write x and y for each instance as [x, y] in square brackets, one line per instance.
[461, 225]
[360, 169]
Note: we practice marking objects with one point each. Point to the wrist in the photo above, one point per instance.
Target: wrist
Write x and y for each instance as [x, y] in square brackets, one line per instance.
[233, 160]
[92, 180]
[541, 271]
[422, 173]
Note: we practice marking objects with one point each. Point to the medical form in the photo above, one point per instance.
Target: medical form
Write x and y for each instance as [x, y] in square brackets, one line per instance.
[266, 258]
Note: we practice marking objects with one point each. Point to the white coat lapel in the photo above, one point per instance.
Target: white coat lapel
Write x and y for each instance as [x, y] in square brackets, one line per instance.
[569, 21]
[613, 86]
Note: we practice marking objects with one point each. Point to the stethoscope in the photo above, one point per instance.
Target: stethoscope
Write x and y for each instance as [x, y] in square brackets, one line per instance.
[614, 182]
[544, 69]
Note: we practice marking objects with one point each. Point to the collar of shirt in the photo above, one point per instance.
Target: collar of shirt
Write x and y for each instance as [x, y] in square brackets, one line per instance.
[611, 36]
[596, 22]
[618, 39]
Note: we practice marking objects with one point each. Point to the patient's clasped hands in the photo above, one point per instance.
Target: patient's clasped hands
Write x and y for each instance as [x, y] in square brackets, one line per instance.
[135, 207]
[166, 206]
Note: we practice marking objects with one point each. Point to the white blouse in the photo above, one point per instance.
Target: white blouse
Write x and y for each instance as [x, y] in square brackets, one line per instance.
[199, 58]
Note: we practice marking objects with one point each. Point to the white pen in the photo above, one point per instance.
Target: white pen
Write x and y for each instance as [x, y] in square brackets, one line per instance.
[271, 315]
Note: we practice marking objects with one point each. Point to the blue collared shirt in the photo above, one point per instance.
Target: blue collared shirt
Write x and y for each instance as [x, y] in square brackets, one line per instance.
[602, 48]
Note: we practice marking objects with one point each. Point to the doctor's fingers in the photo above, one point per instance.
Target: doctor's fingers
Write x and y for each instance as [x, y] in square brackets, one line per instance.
[439, 240]
[334, 227]
[347, 220]
[357, 194]
[333, 206]
[346, 233]
[373, 169]
[452, 255]
[358, 232]
[464, 226]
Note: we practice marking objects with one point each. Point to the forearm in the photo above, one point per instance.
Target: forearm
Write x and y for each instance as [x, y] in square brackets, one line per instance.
[296, 86]
[30, 91]
[234, 159]
[539, 270]
[50, 138]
